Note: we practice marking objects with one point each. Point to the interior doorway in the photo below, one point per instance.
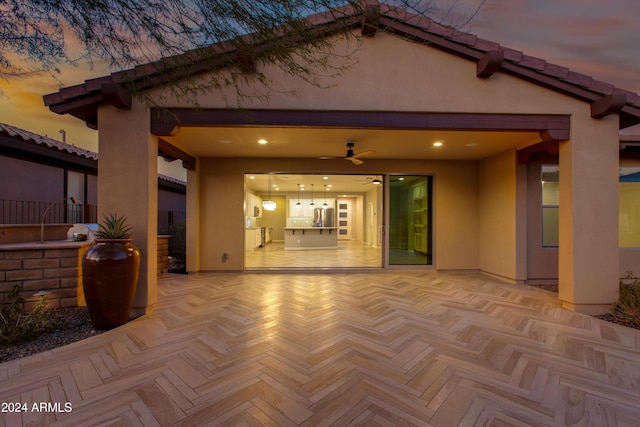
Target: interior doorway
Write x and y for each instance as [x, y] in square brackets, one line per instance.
[410, 220]
[319, 221]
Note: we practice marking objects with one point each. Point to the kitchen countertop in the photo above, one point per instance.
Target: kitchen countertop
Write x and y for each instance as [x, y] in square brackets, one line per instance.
[310, 228]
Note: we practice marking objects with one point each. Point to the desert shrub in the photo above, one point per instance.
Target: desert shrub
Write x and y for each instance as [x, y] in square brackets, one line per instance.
[626, 310]
[18, 324]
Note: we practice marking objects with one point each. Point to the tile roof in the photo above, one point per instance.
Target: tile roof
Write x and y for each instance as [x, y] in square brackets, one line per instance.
[27, 136]
[82, 100]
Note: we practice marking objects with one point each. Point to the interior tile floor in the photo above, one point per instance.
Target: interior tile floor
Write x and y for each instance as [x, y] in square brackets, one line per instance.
[349, 254]
[384, 348]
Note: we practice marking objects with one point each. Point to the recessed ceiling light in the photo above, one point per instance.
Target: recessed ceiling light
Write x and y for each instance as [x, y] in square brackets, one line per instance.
[262, 141]
[437, 144]
[325, 177]
[252, 177]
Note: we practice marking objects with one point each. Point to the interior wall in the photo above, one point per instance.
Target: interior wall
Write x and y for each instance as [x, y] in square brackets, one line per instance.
[222, 220]
[277, 219]
[497, 240]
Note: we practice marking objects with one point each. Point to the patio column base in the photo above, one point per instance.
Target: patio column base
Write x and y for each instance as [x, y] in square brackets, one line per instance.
[589, 309]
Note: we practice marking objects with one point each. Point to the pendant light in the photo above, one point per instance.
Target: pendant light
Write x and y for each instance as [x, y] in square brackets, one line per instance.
[298, 205]
[325, 205]
[312, 205]
[269, 205]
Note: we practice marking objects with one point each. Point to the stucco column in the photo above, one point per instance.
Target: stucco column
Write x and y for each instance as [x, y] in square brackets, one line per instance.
[588, 246]
[128, 185]
[193, 219]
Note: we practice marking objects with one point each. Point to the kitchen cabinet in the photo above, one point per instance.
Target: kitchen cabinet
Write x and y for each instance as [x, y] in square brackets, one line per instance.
[253, 238]
[254, 205]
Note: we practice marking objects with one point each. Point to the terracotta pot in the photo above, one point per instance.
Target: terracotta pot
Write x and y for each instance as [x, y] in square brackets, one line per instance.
[109, 277]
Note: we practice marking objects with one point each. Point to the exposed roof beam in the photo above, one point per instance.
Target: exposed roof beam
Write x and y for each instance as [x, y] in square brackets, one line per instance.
[490, 63]
[361, 119]
[171, 152]
[371, 19]
[116, 95]
[551, 147]
[607, 105]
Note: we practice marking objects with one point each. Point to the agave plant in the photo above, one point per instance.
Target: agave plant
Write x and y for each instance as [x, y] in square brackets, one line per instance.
[113, 227]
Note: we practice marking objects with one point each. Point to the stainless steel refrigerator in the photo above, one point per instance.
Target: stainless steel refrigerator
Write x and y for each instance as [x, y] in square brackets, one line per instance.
[324, 217]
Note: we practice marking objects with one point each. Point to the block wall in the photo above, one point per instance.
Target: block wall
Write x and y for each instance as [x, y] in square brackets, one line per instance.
[53, 272]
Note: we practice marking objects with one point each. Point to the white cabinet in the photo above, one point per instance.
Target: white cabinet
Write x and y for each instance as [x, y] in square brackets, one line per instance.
[254, 205]
[252, 238]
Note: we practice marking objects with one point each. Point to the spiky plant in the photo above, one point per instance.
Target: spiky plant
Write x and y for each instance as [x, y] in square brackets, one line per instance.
[113, 227]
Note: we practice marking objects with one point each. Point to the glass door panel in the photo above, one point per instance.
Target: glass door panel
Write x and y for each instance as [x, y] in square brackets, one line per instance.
[410, 220]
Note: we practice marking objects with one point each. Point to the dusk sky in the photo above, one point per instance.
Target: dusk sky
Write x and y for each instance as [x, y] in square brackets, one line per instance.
[597, 38]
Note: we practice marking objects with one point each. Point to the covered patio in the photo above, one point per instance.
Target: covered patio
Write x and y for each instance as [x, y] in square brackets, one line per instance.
[390, 348]
[410, 83]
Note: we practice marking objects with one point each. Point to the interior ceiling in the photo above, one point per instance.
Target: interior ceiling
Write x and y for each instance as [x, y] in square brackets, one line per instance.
[312, 143]
[337, 185]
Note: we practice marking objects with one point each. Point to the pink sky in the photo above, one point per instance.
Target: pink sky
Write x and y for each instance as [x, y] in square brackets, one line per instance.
[594, 37]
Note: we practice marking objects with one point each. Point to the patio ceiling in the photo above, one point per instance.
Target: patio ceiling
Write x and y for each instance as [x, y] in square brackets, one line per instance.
[312, 143]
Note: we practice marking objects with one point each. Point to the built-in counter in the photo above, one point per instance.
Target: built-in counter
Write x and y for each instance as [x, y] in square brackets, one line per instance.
[303, 238]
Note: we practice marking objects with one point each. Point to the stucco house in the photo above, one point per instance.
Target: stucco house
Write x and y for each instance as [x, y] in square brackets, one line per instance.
[40, 170]
[524, 148]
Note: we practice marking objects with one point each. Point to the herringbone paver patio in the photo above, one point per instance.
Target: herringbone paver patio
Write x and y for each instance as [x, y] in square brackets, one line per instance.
[388, 348]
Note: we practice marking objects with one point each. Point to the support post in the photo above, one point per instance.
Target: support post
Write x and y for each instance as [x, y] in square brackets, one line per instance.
[588, 243]
[128, 185]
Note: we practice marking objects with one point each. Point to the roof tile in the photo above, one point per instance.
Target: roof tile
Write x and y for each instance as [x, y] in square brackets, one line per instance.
[25, 135]
[532, 62]
[486, 45]
[512, 55]
[578, 79]
[601, 87]
[555, 71]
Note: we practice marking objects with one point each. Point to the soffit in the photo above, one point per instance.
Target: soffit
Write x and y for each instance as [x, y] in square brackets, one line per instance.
[312, 143]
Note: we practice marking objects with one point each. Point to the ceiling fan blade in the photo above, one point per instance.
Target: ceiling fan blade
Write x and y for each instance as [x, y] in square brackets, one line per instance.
[329, 158]
[365, 153]
[354, 160]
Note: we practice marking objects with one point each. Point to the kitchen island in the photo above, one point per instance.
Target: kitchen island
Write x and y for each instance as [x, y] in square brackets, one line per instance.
[306, 238]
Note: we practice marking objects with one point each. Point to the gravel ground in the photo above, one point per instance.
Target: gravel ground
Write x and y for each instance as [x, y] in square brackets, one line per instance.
[74, 325]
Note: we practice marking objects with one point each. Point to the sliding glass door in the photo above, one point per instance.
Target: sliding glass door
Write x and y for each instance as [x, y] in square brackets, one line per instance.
[410, 220]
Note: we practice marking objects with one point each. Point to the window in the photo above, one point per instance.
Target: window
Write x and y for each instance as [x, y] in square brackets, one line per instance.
[75, 188]
[629, 207]
[550, 205]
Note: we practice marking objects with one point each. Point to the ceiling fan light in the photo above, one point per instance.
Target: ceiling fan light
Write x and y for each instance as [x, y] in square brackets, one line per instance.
[376, 181]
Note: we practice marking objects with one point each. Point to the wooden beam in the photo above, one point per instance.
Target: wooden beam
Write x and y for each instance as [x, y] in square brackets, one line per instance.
[246, 63]
[365, 119]
[165, 128]
[371, 20]
[524, 155]
[555, 135]
[171, 152]
[116, 95]
[490, 63]
[607, 105]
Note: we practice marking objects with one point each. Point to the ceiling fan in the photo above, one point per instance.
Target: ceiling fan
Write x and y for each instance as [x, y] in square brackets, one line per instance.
[351, 156]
